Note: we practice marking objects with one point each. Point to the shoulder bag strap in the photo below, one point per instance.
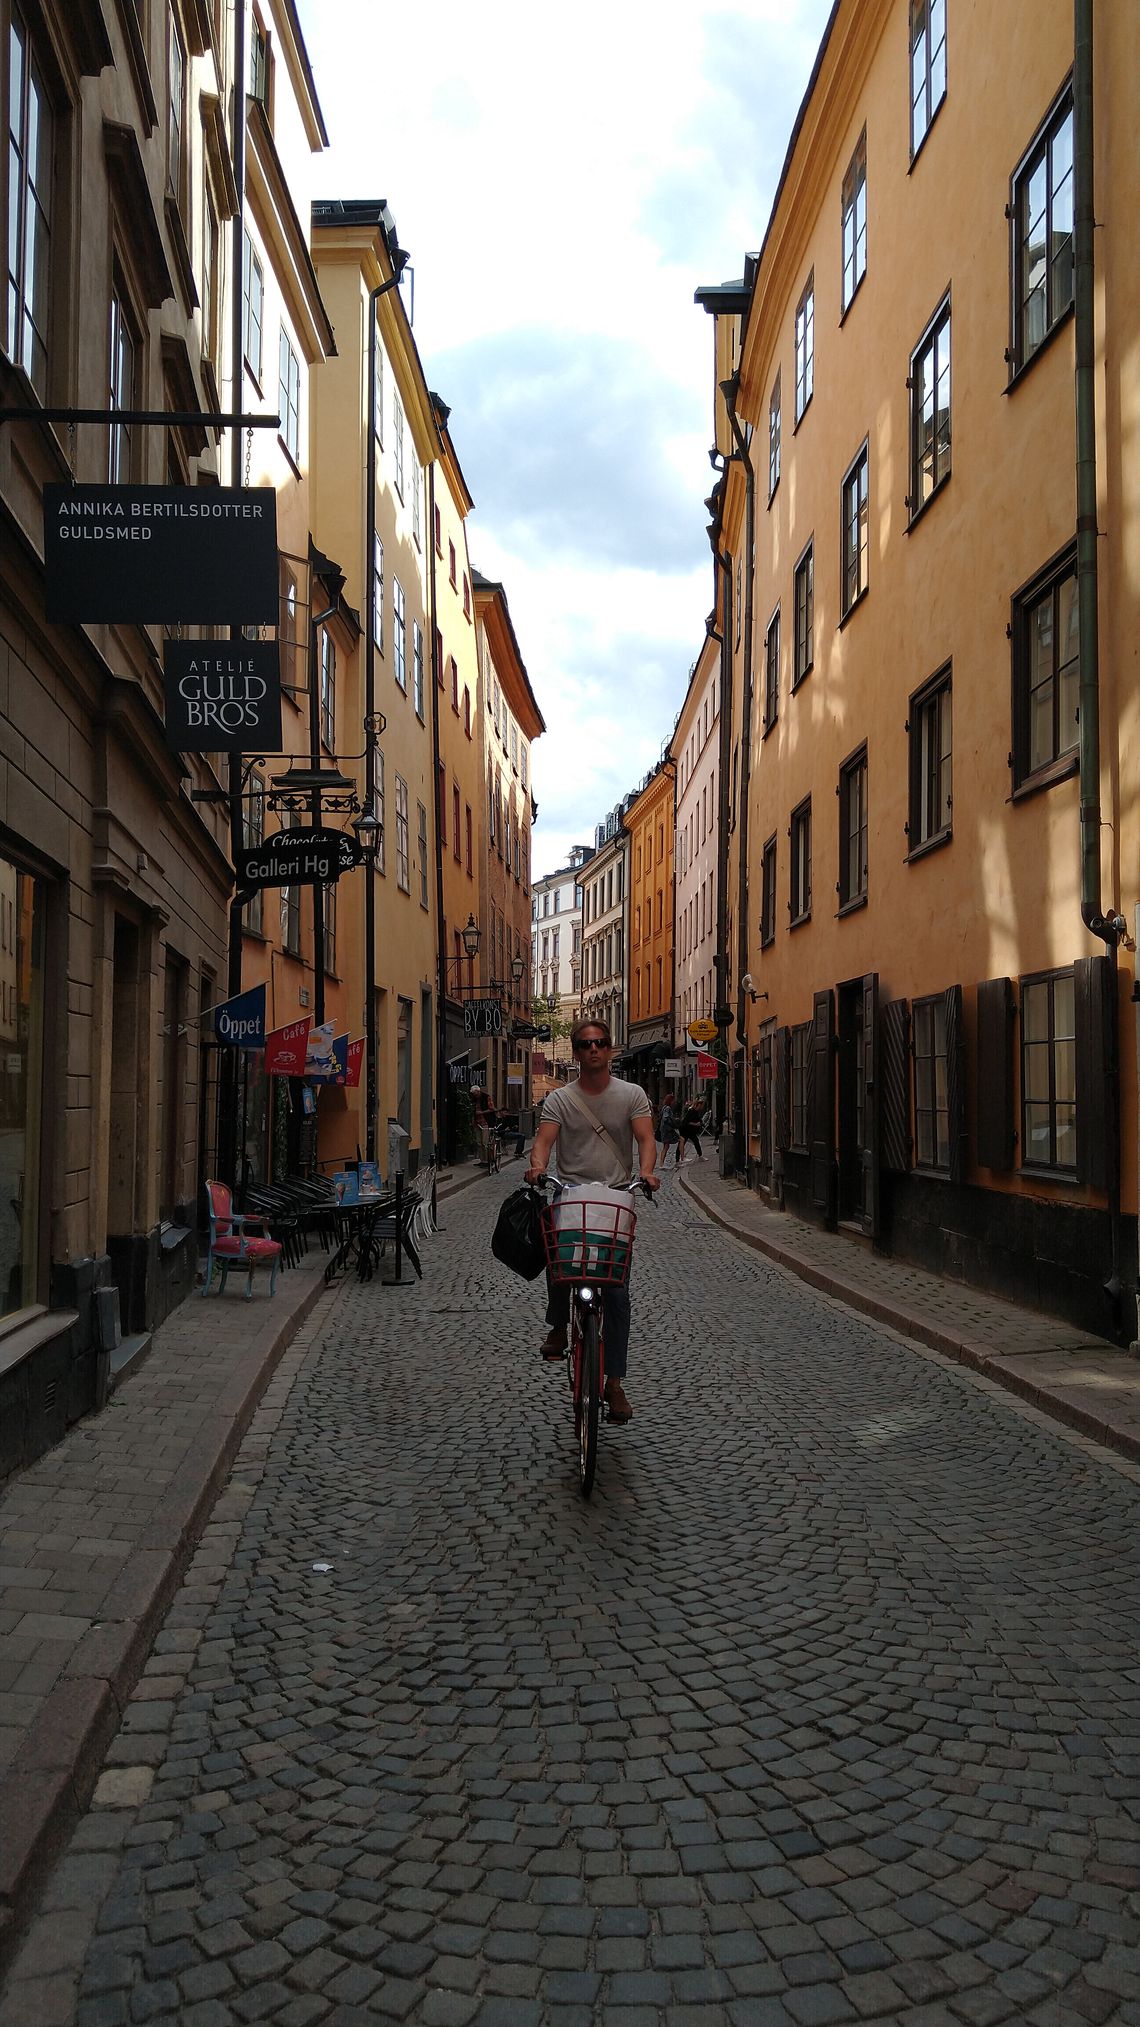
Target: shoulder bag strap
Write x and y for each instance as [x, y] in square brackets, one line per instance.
[588, 1113]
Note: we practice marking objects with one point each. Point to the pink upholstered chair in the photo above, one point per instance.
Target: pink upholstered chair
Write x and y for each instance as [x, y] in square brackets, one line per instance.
[237, 1242]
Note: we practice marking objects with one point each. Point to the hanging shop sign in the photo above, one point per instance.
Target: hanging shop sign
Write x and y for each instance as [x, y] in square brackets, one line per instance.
[286, 1049]
[329, 1065]
[707, 1067]
[674, 1066]
[240, 1021]
[157, 555]
[482, 1017]
[305, 858]
[702, 1030]
[222, 696]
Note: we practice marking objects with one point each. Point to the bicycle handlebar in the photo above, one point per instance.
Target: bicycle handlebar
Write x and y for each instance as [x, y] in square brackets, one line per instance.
[636, 1186]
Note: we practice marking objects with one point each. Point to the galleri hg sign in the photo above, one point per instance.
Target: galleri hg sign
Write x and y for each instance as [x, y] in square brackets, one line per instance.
[160, 555]
[223, 696]
[303, 858]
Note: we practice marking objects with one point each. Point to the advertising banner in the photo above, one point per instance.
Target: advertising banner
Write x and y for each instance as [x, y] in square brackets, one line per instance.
[318, 1052]
[157, 555]
[332, 1066]
[706, 1068]
[286, 1048]
[222, 696]
[354, 1059]
[240, 1022]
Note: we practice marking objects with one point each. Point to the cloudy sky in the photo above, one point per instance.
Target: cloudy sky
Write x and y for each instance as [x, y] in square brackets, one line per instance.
[563, 183]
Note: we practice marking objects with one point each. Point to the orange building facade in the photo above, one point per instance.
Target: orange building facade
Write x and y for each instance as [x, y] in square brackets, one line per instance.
[650, 821]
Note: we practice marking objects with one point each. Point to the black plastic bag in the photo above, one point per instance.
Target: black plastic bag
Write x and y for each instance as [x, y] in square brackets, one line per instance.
[517, 1237]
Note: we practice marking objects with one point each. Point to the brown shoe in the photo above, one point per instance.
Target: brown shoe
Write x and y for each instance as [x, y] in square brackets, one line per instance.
[616, 1402]
[553, 1345]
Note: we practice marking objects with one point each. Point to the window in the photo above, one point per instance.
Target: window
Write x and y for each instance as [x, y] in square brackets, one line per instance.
[289, 385]
[451, 578]
[805, 346]
[253, 307]
[259, 66]
[930, 799]
[402, 835]
[252, 835]
[177, 153]
[417, 668]
[417, 496]
[800, 1052]
[927, 66]
[422, 852]
[768, 894]
[31, 154]
[805, 615]
[931, 1101]
[1042, 225]
[378, 392]
[799, 903]
[438, 658]
[467, 710]
[774, 438]
[854, 219]
[772, 671]
[1048, 1072]
[291, 920]
[123, 354]
[441, 800]
[329, 919]
[456, 841]
[466, 596]
[398, 440]
[211, 259]
[399, 635]
[378, 805]
[1046, 674]
[853, 830]
[378, 592]
[854, 533]
[468, 829]
[288, 629]
[454, 666]
[328, 690]
[930, 410]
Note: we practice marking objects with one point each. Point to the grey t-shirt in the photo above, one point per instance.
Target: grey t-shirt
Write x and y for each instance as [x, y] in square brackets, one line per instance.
[580, 1153]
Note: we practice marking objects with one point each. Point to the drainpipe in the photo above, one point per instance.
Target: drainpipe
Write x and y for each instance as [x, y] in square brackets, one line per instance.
[730, 389]
[1110, 928]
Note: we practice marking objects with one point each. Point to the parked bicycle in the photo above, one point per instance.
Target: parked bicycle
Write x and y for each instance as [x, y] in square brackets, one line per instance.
[588, 1234]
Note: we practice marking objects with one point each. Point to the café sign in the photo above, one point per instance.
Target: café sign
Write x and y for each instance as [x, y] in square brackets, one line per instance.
[305, 858]
[223, 696]
[161, 555]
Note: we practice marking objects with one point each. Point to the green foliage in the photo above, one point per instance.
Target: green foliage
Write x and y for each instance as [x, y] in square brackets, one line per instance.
[464, 1121]
[547, 1013]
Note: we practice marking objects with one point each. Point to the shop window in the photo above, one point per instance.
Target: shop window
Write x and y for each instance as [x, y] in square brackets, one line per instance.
[800, 1057]
[22, 914]
[1048, 1072]
[931, 1086]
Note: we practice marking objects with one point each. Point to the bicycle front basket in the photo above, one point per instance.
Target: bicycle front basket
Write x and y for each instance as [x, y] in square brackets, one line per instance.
[588, 1233]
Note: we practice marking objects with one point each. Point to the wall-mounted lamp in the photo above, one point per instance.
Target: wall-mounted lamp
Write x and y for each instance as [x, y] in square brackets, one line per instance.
[750, 989]
[472, 937]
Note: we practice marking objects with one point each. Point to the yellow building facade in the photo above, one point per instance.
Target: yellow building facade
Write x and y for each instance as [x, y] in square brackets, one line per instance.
[357, 261]
[649, 820]
[939, 1053]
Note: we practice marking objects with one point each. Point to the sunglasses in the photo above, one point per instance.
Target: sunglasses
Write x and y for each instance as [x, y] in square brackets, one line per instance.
[592, 1045]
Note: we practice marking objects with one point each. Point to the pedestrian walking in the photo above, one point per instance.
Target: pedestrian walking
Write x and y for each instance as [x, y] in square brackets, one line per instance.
[666, 1129]
[690, 1129]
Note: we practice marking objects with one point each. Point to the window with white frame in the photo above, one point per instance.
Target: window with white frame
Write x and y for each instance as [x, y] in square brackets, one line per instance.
[855, 532]
[289, 391]
[328, 690]
[804, 589]
[854, 220]
[399, 635]
[1042, 227]
[417, 501]
[378, 805]
[31, 159]
[930, 410]
[774, 437]
[402, 835]
[417, 668]
[927, 66]
[253, 307]
[378, 592]
[398, 440]
[805, 346]
[123, 370]
[378, 392]
[422, 851]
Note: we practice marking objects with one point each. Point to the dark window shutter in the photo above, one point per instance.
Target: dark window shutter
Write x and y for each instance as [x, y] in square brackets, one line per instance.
[869, 1070]
[994, 1098]
[894, 1085]
[780, 1066]
[823, 1101]
[1097, 1110]
[956, 1085]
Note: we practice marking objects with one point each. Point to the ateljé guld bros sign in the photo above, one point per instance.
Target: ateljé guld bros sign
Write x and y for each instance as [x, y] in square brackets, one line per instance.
[222, 696]
[161, 555]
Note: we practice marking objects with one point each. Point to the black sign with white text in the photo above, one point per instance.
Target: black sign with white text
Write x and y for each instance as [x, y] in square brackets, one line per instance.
[160, 555]
[223, 696]
[482, 1017]
[305, 858]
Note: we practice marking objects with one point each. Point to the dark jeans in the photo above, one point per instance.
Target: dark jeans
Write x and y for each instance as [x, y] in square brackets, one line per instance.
[688, 1133]
[615, 1314]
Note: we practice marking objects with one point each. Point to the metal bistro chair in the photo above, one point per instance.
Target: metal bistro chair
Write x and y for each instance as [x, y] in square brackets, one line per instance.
[232, 1246]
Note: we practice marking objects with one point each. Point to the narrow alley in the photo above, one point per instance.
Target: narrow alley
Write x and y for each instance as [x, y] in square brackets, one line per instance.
[825, 1708]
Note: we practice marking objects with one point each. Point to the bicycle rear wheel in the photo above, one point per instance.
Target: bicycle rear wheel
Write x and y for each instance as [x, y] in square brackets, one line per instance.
[589, 1403]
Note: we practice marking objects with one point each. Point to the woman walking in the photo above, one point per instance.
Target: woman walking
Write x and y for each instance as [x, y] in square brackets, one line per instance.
[692, 1122]
[666, 1129]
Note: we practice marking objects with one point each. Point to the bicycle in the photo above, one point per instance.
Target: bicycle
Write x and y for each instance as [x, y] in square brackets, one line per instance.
[494, 1155]
[588, 1237]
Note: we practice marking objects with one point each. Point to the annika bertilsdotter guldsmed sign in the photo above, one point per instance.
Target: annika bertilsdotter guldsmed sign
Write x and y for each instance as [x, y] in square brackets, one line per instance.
[161, 555]
[222, 696]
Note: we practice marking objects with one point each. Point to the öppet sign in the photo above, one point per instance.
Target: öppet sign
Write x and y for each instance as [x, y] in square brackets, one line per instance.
[156, 555]
[222, 696]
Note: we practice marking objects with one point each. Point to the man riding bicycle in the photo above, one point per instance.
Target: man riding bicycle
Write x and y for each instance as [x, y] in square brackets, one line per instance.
[600, 1125]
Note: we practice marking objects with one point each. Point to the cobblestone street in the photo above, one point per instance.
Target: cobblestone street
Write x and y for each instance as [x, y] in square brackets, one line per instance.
[825, 1708]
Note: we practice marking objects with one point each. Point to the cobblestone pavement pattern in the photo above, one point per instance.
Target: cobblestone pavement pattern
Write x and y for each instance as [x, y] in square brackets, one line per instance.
[826, 1708]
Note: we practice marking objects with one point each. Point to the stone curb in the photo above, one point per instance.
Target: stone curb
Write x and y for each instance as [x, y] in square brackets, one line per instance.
[896, 1316]
[43, 1797]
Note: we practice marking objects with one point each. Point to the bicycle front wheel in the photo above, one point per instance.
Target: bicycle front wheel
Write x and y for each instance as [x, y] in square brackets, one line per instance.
[589, 1400]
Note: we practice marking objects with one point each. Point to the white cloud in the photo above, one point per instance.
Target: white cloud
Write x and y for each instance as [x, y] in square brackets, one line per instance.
[563, 182]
